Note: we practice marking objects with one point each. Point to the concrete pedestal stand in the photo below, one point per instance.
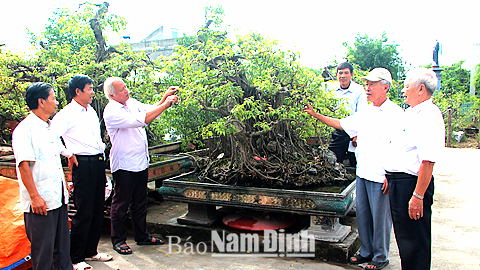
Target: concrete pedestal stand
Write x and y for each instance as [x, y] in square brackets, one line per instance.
[328, 229]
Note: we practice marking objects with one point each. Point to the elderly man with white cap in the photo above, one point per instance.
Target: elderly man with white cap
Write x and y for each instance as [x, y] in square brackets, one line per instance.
[373, 128]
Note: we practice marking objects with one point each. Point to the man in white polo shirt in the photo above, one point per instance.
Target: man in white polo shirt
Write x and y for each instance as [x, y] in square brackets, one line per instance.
[43, 190]
[373, 127]
[409, 167]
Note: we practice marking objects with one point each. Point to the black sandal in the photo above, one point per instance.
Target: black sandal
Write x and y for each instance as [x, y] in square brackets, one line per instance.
[360, 259]
[377, 265]
[151, 241]
[125, 250]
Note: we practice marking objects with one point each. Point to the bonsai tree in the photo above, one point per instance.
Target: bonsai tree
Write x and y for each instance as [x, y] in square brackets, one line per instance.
[244, 98]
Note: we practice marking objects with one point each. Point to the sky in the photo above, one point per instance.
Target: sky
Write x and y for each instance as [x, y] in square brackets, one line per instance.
[315, 29]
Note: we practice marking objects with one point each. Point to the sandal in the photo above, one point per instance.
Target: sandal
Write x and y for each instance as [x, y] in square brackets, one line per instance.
[377, 265]
[101, 257]
[151, 241]
[82, 266]
[122, 248]
[359, 259]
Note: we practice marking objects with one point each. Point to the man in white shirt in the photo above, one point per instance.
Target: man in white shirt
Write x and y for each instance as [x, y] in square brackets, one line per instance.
[79, 127]
[373, 127]
[126, 119]
[412, 155]
[43, 190]
[353, 96]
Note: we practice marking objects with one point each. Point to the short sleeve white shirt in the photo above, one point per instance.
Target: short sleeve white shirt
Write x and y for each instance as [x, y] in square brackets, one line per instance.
[373, 127]
[79, 128]
[35, 141]
[423, 138]
[126, 129]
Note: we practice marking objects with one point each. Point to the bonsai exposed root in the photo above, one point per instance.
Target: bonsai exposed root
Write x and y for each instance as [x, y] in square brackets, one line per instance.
[277, 158]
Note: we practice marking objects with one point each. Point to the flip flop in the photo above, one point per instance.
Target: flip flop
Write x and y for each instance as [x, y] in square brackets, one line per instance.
[377, 265]
[101, 257]
[125, 250]
[82, 266]
[359, 259]
[151, 241]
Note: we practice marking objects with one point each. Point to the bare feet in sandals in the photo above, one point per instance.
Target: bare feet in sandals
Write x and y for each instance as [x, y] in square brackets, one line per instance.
[122, 248]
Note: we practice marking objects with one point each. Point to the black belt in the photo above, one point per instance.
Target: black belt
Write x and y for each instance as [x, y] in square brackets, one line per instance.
[398, 175]
[98, 157]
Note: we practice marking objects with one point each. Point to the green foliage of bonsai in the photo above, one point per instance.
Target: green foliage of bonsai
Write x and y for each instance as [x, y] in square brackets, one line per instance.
[245, 97]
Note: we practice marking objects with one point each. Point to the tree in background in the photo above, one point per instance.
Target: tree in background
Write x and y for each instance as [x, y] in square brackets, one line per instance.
[73, 43]
[454, 79]
[371, 53]
[476, 81]
[454, 96]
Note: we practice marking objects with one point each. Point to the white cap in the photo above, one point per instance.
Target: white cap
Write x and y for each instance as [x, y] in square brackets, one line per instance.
[378, 74]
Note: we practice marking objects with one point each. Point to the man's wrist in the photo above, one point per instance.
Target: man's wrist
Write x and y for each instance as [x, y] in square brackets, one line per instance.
[417, 195]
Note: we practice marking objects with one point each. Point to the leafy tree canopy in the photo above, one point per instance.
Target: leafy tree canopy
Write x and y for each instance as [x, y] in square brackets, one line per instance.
[72, 28]
[454, 96]
[476, 81]
[455, 79]
[72, 43]
[371, 53]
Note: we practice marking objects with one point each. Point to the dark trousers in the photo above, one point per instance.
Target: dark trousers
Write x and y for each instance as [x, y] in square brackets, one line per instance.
[129, 191]
[414, 237]
[339, 146]
[49, 239]
[89, 199]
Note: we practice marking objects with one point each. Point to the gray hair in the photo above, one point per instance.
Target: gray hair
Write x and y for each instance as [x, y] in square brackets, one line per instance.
[108, 88]
[383, 82]
[427, 77]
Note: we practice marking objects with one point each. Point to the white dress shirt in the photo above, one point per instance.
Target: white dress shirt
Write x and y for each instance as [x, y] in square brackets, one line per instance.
[79, 128]
[373, 127]
[35, 141]
[126, 128]
[423, 138]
